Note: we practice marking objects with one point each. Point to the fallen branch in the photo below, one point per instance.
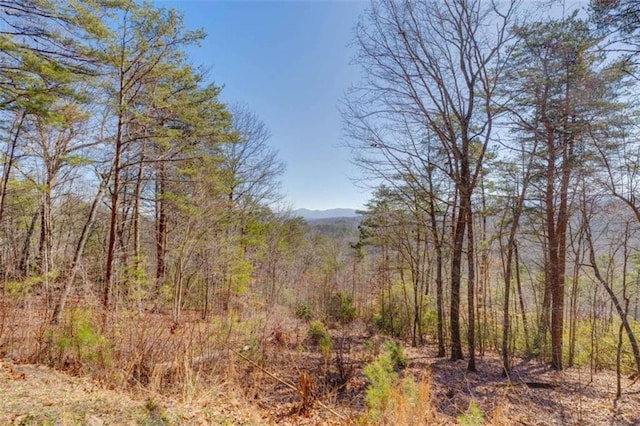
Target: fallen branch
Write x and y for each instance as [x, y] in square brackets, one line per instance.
[532, 385]
[284, 382]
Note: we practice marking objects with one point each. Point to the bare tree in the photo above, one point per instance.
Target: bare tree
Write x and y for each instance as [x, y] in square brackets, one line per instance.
[252, 166]
[433, 67]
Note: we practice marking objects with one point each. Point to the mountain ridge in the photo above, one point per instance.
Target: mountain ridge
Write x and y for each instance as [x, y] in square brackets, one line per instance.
[309, 214]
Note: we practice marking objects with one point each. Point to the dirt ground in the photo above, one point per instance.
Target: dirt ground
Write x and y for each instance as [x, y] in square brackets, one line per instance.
[37, 395]
[536, 395]
[257, 387]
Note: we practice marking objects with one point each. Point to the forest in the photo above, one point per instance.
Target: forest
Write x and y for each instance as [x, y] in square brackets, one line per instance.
[148, 274]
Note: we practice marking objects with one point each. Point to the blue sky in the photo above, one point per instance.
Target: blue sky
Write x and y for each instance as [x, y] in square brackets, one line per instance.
[288, 61]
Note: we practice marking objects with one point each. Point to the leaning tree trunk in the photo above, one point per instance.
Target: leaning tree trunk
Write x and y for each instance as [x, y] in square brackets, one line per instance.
[75, 264]
[614, 299]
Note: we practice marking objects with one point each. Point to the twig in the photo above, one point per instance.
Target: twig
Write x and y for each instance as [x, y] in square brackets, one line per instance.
[284, 382]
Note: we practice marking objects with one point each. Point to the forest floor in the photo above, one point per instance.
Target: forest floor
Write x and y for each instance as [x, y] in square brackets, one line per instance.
[258, 386]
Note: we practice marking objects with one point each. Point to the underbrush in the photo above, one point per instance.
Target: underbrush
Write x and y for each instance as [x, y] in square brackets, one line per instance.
[596, 346]
[391, 399]
[130, 350]
[241, 358]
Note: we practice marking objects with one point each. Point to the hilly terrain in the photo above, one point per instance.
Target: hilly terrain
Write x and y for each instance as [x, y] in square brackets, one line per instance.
[324, 214]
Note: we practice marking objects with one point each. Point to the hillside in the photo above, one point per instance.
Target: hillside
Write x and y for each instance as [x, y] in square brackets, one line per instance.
[324, 214]
[269, 390]
[338, 227]
[37, 395]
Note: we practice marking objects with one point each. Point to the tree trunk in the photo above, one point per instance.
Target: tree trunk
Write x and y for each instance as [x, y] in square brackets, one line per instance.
[8, 162]
[521, 298]
[614, 299]
[456, 276]
[75, 264]
[471, 330]
[437, 240]
[115, 194]
[23, 267]
[46, 237]
[161, 227]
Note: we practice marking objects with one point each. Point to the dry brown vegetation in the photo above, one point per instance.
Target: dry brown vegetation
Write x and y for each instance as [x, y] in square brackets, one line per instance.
[260, 367]
[148, 274]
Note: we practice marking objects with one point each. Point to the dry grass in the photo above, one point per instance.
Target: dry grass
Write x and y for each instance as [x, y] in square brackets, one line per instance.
[414, 407]
[39, 395]
[257, 367]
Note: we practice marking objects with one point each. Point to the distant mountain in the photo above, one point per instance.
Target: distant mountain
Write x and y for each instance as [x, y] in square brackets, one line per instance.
[337, 227]
[324, 214]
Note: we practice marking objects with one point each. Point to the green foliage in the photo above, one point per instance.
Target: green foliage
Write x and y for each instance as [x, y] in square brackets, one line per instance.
[76, 160]
[601, 346]
[166, 293]
[25, 288]
[472, 417]
[241, 274]
[430, 319]
[392, 317]
[254, 231]
[304, 312]
[383, 382]
[24, 199]
[231, 328]
[319, 335]
[138, 282]
[325, 346]
[317, 331]
[392, 399]
[396, 354]
[395, 318]
[340, 308]
[385, 324]
[81, 342]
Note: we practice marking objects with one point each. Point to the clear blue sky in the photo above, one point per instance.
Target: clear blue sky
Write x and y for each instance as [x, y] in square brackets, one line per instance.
[288, 61]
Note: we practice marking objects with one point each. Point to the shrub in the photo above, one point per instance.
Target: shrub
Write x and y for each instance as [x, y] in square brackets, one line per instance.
[80, 343]
[317, 331]
[393, 317]
[394, 401]
[340, 308]
[303, 311]
[383, 382]
[26, 287]
[430, 317]
[319, 335]
[396, 354]
[472, 417]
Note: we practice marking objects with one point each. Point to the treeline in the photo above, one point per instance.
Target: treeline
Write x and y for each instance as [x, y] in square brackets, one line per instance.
[507, 151]
[126, 184]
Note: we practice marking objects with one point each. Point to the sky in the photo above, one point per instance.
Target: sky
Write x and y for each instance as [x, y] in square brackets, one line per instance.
[289, 62]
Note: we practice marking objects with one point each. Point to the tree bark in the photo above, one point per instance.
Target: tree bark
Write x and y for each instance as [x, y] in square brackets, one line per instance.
[77, 256]
[471, 276]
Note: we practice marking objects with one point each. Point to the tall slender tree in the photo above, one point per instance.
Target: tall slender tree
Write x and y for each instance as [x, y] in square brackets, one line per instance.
[565, 94]
[436, 66]
[157, 96]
